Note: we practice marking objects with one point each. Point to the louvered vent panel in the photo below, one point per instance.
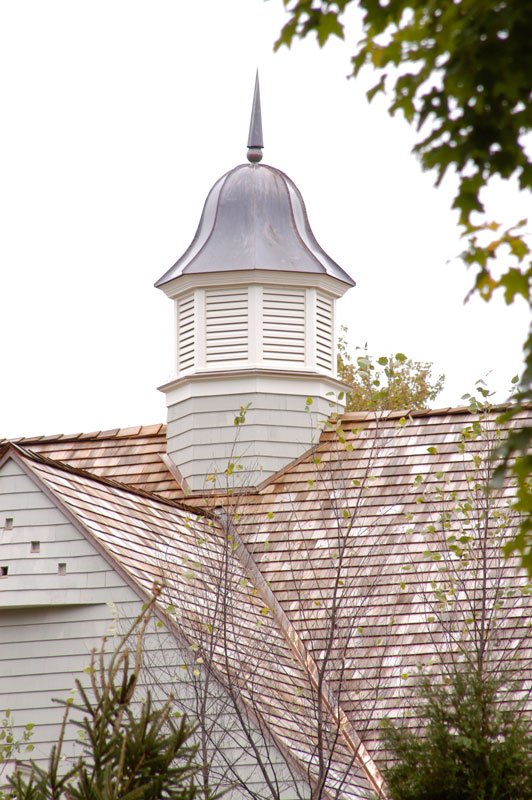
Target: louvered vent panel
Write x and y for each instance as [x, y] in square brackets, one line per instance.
[324, 331]
[226, 325]
[185, 328]
[284, 325]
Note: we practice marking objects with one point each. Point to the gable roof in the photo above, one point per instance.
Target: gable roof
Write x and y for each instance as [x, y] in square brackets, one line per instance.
[161, 543]
[347, 530]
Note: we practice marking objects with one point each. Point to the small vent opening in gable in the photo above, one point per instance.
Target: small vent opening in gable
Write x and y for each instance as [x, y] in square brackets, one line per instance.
[61, 568]
[3, 571]
[8, 524]
[284, 325]
[185, 332]
[324, 331]
[226, 332]
[35, 547]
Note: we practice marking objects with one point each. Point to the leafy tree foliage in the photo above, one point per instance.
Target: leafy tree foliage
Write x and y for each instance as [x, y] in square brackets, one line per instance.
[461, 72]
[391, 383]
[471, 745]
[132, 750]
[468, 76]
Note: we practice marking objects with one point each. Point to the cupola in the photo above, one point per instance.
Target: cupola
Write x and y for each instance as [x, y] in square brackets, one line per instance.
[254, 298]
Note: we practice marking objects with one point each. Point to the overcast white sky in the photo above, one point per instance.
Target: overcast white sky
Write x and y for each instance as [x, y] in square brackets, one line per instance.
[117, 118]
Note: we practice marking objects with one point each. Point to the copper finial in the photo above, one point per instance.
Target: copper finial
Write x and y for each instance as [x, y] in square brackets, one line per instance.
[255, 142]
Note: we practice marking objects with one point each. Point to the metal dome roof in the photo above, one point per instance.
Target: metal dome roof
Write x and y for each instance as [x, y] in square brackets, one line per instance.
[254, 218]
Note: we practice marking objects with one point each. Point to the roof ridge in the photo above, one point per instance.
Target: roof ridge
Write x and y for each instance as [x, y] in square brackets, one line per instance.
[126, 487]
[362, 416]
[135, 431]
[156, 429]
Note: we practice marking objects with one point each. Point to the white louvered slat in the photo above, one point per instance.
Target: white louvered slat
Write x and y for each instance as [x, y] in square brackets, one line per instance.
[185, 332]
[324, 331]
[226, 325]
[283, 325]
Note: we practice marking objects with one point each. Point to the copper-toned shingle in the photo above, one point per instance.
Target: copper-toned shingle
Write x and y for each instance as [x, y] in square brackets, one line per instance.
[128, 455]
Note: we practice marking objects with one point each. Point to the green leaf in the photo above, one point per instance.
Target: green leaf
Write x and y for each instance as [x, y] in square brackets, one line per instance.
[287, 34]
[515, 283]
[329, 25]
[381, 85]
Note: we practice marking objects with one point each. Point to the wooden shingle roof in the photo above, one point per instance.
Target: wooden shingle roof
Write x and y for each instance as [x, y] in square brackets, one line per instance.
[132, 456]
[348, 538]
[155, 542]
[354, 529]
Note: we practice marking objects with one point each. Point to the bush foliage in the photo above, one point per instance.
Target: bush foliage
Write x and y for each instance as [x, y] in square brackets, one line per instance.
[471, 745]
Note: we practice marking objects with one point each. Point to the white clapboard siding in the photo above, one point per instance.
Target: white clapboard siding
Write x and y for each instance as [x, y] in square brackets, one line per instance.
[324, 331]
[44, 559]
[49, 622]
[36, 669]
[226, 325]
[283, 324]
[186, 345]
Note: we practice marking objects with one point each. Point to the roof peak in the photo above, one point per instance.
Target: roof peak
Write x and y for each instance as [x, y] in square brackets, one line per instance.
[255, 140]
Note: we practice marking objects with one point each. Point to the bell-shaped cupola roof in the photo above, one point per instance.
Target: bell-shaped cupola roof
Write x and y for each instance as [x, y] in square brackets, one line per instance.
[254, 218]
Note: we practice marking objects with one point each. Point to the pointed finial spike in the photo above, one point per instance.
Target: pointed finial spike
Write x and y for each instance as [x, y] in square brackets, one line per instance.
[255, 141]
